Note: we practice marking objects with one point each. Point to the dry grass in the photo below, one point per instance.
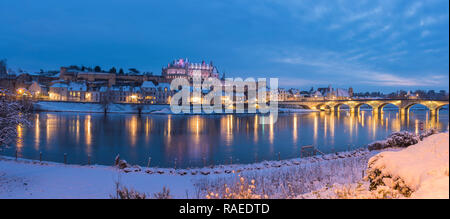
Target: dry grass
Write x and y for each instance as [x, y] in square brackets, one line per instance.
[285, 182]
[122, 192]
[241, 190]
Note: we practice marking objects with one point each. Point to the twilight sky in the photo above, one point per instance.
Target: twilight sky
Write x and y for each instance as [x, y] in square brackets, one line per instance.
[367, 44]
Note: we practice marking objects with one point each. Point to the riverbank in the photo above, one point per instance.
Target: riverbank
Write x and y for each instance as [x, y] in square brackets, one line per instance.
[33, 179]
[55, 106]
[312, 177]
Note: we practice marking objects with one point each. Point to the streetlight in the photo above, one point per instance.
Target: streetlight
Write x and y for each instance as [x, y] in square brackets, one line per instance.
[20, 91]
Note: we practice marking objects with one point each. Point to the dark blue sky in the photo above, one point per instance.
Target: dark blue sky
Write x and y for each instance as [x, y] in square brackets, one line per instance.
[369, 45]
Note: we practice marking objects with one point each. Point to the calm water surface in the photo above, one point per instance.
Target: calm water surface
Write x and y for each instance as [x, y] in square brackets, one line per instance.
[211, 139]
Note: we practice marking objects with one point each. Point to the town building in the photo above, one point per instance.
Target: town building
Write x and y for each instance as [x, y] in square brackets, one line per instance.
[337, 93]
[38, 90]
[72, 91]
[282, 94]
[121, 94]
[98, 79]
[156, 93]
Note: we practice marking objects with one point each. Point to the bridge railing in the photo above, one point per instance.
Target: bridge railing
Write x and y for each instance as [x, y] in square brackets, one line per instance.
[323, 99]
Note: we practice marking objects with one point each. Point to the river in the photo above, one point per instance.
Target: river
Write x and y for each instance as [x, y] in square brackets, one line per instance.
[196, 140]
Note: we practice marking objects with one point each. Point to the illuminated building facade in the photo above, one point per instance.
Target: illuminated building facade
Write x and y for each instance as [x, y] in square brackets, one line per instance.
[182, 68]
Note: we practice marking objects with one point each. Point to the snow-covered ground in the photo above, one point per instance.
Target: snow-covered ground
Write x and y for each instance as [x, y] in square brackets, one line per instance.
[98, 108]
[420, 171]
[31, 179]
[54, 106]
[24, 179]
[292, 110]
[423, 167]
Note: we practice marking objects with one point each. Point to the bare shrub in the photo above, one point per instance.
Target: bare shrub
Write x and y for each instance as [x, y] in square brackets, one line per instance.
[242, 189]
[286, 182]
[379, 179]
[358, 190]
[123, 192]
[400, 139]
[12, 115]
[164, 194]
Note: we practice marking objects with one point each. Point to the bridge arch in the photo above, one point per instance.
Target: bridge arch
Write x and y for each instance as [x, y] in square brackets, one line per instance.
[377, 105]
[409, 106]
[431, 106]
[323, 106]
[302, 106]
[389, 105]
[359, 105]
[441, 106]
[339, 105]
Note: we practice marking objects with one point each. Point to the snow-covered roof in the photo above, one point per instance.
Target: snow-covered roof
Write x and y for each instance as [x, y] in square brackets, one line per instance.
[103, 89]
[125, 88]
[317, 93]
[341, 93]
[37, 83]
[59, 85]
[148, 84]
[164, 85]
[77, 87]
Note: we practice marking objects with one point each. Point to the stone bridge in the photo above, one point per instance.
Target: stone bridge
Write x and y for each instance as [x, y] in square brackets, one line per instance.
[377, 104]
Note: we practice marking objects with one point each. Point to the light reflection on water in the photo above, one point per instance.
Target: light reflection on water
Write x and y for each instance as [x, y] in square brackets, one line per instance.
[211, 139]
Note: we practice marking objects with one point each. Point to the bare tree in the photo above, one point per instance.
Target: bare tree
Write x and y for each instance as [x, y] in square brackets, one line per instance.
[12, 115]
[139, 107]
[106, 100]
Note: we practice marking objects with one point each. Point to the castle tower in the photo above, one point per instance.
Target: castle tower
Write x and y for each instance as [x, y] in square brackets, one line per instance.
[3, 71]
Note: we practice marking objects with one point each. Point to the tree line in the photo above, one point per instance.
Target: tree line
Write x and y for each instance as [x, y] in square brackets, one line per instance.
[423, 94]
[111, 70]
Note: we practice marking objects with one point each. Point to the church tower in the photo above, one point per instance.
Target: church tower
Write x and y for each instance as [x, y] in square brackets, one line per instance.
[350, 92]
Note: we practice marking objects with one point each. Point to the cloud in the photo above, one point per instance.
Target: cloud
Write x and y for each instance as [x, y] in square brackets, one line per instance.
[363, 15]
[412, 10]
[425, 33]
[296, 82]
[386, 79]
[328, 63]
[427, 21]
[432, 20]
[319, 11]
[432, 50]
[379, 32]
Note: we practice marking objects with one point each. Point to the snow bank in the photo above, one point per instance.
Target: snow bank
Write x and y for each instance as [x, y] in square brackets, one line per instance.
[400, 139]
[32, 179]
[25, 179]
[359, 190]
[291, 110]
[98, 108]
[419, 171]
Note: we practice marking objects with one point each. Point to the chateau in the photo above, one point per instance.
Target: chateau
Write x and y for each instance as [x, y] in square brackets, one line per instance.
[182, 68]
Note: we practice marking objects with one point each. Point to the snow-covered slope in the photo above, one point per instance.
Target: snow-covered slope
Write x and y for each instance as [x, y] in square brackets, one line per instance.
[421, 168]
